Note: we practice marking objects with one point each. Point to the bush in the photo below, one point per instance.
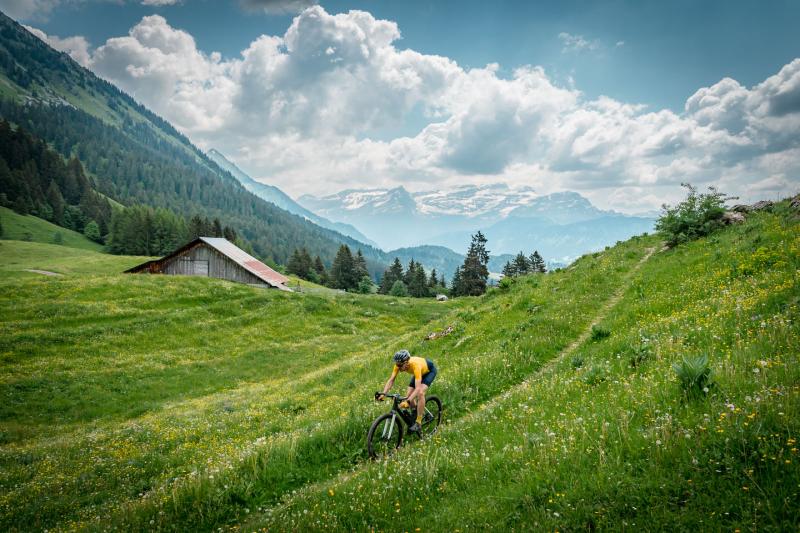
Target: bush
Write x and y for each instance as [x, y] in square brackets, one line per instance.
[506, 283]
[600, 333]
[577, 362]
[595, 376]
[398, 289]
[697, 216]
[694, 376]
[365, 286]
[58, 238]
[639, 354]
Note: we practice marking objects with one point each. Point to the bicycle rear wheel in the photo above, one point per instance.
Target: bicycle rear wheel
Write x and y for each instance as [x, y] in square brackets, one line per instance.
[432, 417]
[385, 435]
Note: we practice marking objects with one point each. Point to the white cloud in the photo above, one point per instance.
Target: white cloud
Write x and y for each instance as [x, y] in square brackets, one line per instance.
[277, 6]
[301, 110]
[160, 2]
[28, 9]
[77, 47]
[577, 43]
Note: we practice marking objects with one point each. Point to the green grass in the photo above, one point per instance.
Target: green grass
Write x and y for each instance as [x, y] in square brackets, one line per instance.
[139, 402]
[30, 228]
[629, 451]
[18, 257]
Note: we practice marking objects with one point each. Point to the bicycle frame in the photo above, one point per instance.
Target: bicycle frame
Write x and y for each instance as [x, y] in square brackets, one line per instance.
[409, 418]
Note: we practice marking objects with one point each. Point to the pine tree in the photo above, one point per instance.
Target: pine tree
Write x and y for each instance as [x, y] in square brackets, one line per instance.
[433, 281]
[92, 232]
[390, 275]
[319, 270]
[456, 286]
[475, 272]
[342, 270]
[522, 265]
[56, 202]
[508, 270]
[418, 287]
[359, 267]
[537, 263]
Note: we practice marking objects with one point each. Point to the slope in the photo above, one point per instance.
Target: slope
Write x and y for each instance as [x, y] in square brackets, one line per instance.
[168, 385]
[606, 438]
[30, 228]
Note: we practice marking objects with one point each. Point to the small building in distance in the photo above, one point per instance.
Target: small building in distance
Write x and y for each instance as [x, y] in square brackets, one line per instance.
[215, 257]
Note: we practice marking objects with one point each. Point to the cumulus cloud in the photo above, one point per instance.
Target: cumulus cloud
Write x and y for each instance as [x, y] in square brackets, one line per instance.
[277, 6]
[302, 110]
[77, 47]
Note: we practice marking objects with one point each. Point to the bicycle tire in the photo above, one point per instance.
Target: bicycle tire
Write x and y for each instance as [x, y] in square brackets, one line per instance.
[434, 405]
[374, 439]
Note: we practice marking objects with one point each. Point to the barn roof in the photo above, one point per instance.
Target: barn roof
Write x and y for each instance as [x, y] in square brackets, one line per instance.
[234, 253]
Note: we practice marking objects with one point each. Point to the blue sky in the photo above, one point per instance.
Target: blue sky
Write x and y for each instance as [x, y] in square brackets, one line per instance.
[619, 100]
[670, 48]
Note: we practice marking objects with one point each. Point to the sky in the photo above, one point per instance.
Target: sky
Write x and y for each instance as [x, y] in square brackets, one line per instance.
[620, 101]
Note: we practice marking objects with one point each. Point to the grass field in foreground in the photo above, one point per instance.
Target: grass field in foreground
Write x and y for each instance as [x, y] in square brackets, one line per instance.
[155, 403]
[187, 401]
[605, 439]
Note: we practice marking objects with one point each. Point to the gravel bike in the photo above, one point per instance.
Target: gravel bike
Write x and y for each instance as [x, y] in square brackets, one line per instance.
[386, 433]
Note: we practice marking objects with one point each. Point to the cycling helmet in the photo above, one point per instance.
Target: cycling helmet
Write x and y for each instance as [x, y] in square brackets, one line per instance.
[401, 357]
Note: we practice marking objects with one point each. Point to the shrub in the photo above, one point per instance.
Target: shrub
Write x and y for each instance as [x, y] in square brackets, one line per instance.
[600, 333]
[595, 376]
[506, 283]
[639, 354]
[697, 216]
[577, 362]
[398, 289]
[694, 376]
[58, 238]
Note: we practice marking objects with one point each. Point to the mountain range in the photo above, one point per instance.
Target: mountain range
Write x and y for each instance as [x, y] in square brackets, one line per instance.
[561, 226]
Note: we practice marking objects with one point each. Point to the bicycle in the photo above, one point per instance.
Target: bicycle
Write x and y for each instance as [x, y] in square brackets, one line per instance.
[386, 432]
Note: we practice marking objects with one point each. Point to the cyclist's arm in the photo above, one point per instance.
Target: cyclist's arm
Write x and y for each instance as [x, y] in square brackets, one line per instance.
[390, 383]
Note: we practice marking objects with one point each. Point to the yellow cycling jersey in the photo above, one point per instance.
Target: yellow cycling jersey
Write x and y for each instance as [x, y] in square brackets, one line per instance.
[416, 365]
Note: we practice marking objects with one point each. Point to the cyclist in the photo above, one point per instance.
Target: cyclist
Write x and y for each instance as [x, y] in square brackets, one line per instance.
[423, 371]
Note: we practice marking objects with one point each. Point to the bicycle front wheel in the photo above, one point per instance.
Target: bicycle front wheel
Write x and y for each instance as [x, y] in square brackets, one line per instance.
[385, 435]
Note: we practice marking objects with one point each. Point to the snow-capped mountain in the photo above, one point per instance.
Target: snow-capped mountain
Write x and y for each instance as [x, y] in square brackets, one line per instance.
[495, 200]
[562, 225]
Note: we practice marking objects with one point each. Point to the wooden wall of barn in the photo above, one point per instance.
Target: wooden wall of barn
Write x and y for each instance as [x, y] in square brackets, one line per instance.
[202, 260]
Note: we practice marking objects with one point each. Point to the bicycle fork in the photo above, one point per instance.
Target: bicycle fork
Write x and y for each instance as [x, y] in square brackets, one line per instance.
[387, 431]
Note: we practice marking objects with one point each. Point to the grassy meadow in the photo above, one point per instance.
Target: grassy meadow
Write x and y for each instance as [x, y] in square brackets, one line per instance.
[136, 402]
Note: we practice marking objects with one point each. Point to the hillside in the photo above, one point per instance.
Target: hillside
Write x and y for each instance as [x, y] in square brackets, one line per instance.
[169, 385]
[135, 157]
[30, 228]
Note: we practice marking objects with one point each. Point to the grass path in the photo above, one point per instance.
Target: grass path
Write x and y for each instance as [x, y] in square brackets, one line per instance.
[566, 352]
[491, 403]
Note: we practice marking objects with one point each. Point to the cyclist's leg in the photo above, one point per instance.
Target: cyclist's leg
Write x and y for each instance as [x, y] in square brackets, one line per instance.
[409, 390]
[421, 402]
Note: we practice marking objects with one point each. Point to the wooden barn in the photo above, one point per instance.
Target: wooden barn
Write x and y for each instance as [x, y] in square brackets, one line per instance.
[216, 258]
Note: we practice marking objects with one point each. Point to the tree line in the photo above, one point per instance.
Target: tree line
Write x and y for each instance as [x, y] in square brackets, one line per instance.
[522, 265]
[35, 180]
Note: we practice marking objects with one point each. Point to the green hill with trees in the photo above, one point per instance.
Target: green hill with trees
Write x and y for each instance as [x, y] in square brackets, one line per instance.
[129, 155]
[641, 387]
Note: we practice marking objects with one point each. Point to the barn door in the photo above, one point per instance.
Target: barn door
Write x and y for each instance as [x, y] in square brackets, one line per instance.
[200, 268]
